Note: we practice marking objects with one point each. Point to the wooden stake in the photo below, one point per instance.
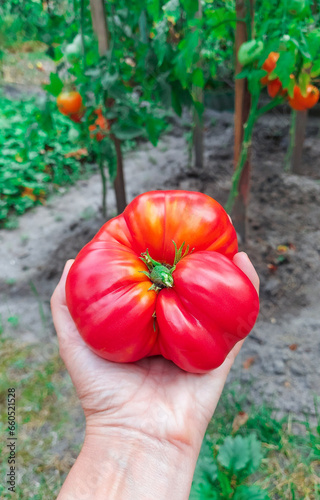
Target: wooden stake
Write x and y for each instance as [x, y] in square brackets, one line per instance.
[242, 108]
[198, 121]
[100, 26]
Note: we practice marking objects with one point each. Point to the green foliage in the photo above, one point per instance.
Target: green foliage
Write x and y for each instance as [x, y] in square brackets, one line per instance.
[222, 475]
[290, 28]
[33, 162]
[46, 427]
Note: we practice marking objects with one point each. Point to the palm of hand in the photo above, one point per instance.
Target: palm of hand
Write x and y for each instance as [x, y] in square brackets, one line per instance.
[153, 396]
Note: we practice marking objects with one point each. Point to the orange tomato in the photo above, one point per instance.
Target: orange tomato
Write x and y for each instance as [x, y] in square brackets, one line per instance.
[102, 124]
[271, 62]
[69, 102]
[269, 65]
[300, 102]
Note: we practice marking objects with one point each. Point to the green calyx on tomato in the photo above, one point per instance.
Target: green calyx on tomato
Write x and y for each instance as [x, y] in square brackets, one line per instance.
[161, 274]
[249, 52]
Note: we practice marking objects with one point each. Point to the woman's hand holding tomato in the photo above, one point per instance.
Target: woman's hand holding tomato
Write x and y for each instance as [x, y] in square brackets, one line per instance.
[145, 421]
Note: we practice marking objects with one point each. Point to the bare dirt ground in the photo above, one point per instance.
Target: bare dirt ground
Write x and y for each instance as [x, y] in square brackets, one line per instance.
[280, 360]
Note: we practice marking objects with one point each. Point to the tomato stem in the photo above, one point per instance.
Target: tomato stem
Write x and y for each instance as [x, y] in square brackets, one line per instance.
[160, 273]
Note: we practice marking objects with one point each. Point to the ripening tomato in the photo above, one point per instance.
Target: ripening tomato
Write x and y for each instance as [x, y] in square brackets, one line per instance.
[269, 65]
[300, 102]
[160, 279]
[275, 88]
[101, 126]
[69, 102]
[271, 62]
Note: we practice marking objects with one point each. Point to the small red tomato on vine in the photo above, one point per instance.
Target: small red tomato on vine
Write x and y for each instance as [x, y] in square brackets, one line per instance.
[269, 65]
[271, 62]
[275, 88]
[299, 102]
[69, 102]
[160, 279]
[101, 126]
[77, 117]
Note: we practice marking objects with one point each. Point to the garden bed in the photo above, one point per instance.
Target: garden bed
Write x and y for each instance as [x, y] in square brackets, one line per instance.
[279, 361]
[280, 358]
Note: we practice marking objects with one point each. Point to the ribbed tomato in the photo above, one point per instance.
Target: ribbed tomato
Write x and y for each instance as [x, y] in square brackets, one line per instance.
[160, 279]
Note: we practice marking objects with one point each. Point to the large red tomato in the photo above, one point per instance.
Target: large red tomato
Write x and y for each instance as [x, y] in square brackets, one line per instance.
[159, 279]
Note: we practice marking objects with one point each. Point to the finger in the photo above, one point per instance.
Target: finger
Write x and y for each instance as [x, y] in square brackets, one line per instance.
[242, 261]
[64, 325]
[59, 295]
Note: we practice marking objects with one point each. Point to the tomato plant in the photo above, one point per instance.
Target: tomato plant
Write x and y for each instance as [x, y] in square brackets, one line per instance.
[160, 279]
[290, 56]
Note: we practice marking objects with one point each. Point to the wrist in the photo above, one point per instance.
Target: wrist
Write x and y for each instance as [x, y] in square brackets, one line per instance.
[125, 464]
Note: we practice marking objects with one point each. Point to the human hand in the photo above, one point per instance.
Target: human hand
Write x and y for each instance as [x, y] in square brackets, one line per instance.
[151, 400]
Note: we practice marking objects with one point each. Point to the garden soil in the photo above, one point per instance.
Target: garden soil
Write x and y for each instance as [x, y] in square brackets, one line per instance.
[279, 362]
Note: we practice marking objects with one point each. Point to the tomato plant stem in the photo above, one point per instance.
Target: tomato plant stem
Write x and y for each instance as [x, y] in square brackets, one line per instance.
[254, 115]
[292, 131]
[83, 49]
[104, 185]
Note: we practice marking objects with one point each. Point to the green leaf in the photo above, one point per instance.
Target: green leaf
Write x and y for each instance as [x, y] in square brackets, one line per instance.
[206, 468]
[55, 86]
[143, 26]
[190, 6]
[198, 78]
[108, 80]
[126, 132]
[203, 492]
[315, 71]
[234, 453]
[153, 8]
[285, 67]
[250, 492]
[160, 40]
[206, 472]
[225, 485]
[172, 9]
[255, 453]
[152, 130]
